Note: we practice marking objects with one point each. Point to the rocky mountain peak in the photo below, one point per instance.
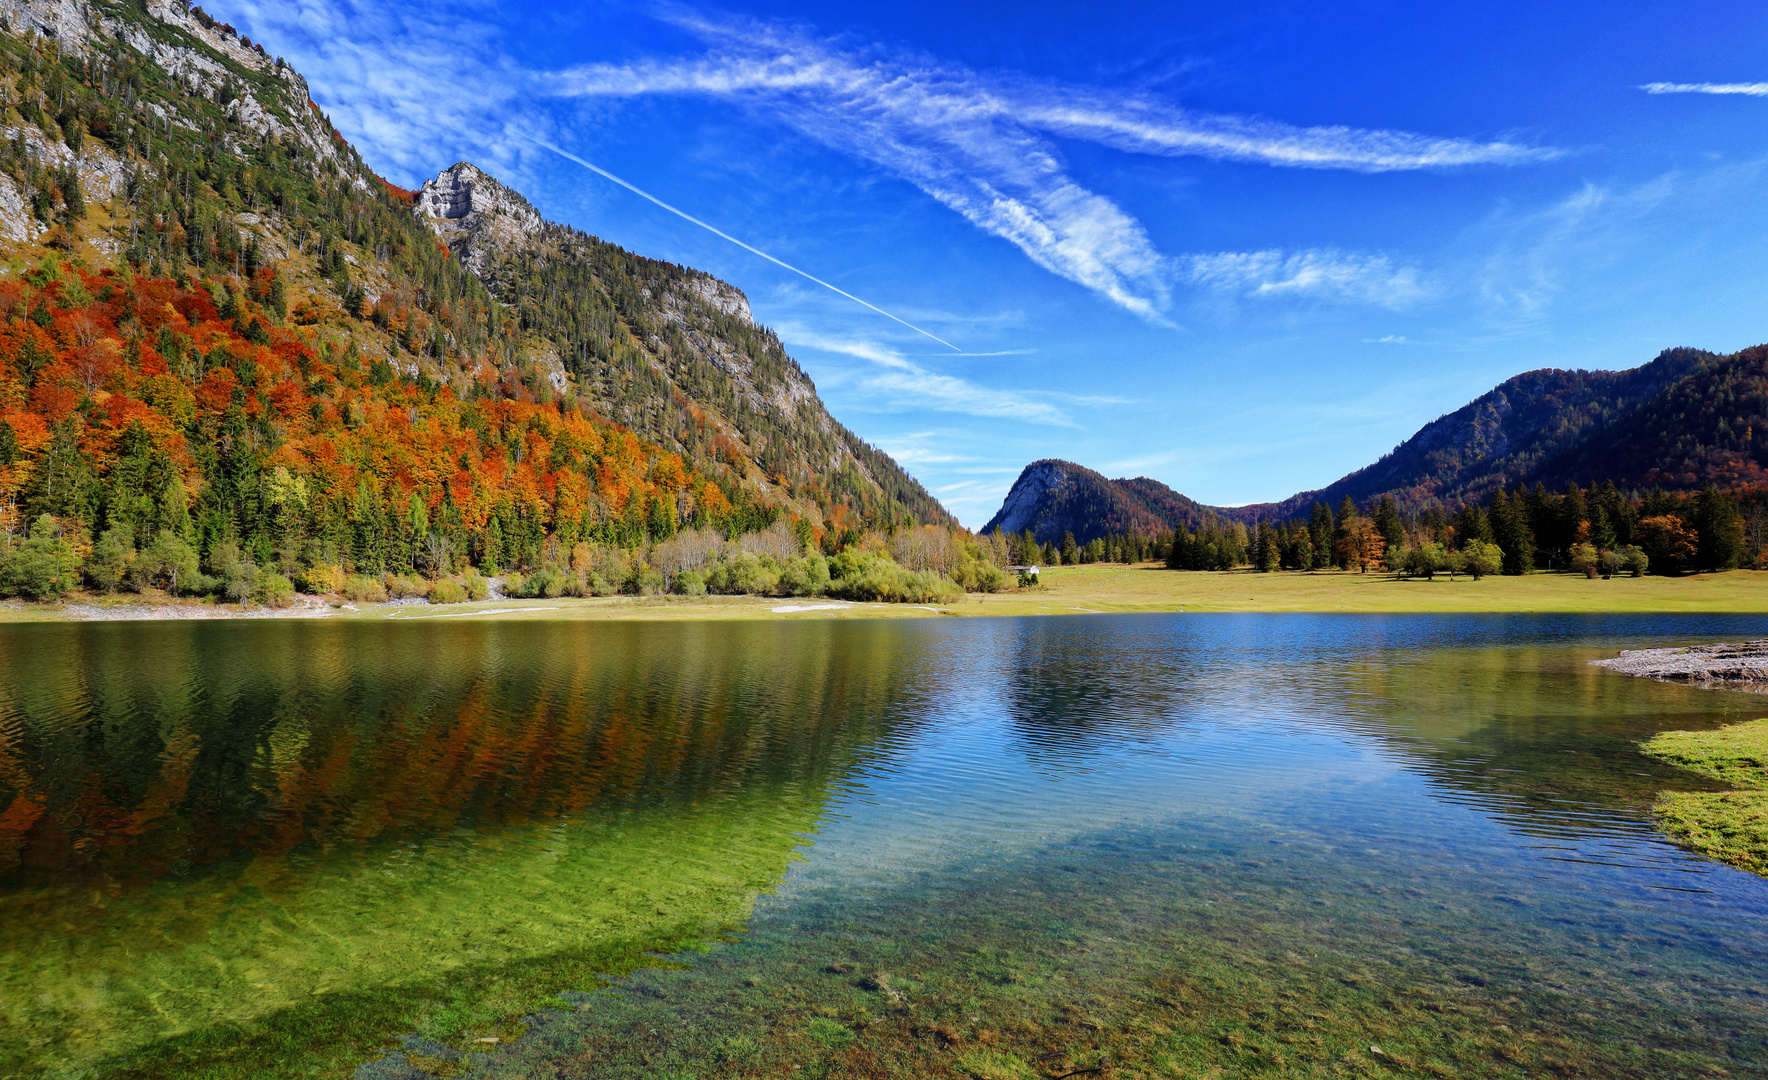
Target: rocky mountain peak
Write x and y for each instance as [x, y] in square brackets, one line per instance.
[474, 214]
[1026, 499]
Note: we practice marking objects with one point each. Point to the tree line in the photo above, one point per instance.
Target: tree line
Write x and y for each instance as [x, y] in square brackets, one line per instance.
[1595, 529]
[168, 433]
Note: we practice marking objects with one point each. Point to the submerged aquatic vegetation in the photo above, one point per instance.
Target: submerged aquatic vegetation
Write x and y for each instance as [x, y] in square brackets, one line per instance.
[1108, 957]
[1731, 826]
[1041, 848]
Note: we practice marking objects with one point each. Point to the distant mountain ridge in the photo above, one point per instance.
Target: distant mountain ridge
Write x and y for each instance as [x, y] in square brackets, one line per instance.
[1536, 426]
[1687, 418]
[1053, 497]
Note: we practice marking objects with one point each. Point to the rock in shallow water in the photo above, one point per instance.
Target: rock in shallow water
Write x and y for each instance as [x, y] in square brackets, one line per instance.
[1740, 666]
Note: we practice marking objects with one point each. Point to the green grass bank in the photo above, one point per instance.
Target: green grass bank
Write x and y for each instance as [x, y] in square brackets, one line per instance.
[1731, 826]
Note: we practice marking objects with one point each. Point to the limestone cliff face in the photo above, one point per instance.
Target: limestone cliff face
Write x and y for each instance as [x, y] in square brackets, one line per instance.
[477, 217]
[1053, 497]
[1020, 509]
[188, 49]
[192, 52]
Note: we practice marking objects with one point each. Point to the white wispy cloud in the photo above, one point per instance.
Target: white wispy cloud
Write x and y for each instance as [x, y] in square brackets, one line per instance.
[1749, 89]
[896, 380]
[1145, 125]
[1314, 274]
[392, 77]
[981, 144]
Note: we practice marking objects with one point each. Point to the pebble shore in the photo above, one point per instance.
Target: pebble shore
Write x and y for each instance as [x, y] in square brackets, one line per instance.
[1742, 665]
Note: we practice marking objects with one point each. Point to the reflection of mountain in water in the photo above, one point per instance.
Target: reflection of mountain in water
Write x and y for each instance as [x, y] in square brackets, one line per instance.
[1528, 733]
[1078, 691]
[1504, 714]
[205, 823]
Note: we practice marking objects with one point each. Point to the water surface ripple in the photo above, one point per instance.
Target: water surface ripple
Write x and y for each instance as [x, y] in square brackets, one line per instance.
[1240, 843]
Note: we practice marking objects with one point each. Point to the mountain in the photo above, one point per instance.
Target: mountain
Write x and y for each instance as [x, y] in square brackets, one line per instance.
[1054, 497]
[1543, 426]
[671, 352]
[1685, 419]
[218, 324]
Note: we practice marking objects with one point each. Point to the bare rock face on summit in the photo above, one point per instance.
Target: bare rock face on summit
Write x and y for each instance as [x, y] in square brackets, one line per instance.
[1026, 498]
[475, 215]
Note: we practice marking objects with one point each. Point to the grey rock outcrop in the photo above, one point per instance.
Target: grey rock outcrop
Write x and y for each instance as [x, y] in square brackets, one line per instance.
[1741, 666]
[1026, 499]
[475, 215]
[191, 52]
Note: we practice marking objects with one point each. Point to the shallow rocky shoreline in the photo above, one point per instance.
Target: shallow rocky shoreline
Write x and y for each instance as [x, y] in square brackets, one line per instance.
[1741, 665]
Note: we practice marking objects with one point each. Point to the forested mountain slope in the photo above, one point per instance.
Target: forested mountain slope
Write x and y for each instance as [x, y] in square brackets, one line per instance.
[671, 352]
[1684, 420]
[1052, 498]
[221, 330]
[1672, 418]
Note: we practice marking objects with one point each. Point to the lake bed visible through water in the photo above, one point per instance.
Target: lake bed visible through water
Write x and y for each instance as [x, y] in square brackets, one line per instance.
[1159, 845]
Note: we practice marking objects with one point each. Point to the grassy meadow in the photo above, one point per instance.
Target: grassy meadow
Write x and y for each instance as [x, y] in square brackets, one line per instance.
[1069, 590]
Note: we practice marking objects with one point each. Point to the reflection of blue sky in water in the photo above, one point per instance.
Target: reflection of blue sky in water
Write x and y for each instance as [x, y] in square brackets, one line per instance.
[1454, 805]
[1371, 789]
[1290, 722]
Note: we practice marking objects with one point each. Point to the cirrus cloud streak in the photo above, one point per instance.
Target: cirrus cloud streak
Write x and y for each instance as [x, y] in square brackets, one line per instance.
[982, 145]
[1749, 89]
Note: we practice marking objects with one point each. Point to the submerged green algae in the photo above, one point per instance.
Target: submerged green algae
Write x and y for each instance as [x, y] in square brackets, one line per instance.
[269, 971]
[272, 851]
[1731, 826]
[1107, 954]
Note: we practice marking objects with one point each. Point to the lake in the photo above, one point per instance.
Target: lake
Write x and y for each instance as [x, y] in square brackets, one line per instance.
[1163, 845]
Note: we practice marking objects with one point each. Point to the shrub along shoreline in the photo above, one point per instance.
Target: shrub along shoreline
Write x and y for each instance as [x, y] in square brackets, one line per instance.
[917, 566]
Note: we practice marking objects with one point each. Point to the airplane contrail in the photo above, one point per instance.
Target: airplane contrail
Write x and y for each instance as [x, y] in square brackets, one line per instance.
[641, 193]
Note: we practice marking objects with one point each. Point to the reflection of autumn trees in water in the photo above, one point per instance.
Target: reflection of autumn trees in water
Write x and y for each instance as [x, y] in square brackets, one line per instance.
[129, 753]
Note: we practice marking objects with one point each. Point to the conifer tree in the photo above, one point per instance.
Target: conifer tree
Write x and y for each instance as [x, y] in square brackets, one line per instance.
[1345, 550]
[1472, 524]
[1388, 524]
[1510, 528]
[1718, 530]
[1267, 553]
[1320, 537]
[1574, 515]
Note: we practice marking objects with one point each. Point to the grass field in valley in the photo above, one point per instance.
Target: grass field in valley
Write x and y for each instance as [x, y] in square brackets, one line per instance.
[1099, 588]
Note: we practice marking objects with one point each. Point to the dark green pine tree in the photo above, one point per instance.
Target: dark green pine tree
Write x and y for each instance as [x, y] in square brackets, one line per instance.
[1718, 530]
[1320, 537]
[1070, 552]
[1267, 553]
[1388, 524]
[1574, 510]
[1176, 548]
[1602, 531]
[1472, 524]
[1619, 511]
[1510, 528]
[1347, 512]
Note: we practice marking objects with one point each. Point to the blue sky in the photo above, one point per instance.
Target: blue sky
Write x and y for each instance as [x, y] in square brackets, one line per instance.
[1243, 248]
